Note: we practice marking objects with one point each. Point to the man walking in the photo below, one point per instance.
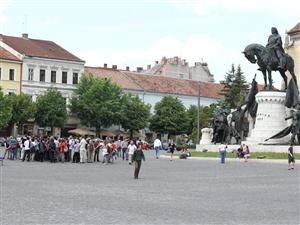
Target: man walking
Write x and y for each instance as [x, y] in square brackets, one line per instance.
[83, 144]
[157, 147]
[222, 150]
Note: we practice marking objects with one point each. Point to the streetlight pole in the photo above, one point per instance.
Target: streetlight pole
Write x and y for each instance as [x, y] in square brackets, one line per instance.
[198, 115]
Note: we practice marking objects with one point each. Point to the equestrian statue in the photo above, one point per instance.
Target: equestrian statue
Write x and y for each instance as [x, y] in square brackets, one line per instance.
[271, 58]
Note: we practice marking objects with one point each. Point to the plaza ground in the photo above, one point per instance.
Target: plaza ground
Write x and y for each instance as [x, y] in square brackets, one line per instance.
[178, 192]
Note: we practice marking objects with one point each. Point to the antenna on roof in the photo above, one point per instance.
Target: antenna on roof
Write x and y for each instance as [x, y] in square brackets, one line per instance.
[24, 24]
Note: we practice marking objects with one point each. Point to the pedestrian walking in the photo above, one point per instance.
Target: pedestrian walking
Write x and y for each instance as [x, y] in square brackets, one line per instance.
[83, 147]
[137, 157]
[131, 150]
[222, 150]
[124, 146]
[157, 147]
[172, 147]
[27, 150]
[291, 158]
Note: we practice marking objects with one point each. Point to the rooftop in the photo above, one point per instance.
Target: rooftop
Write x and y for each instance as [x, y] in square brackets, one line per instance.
[295, 29]
[6, 55]
[38, 48]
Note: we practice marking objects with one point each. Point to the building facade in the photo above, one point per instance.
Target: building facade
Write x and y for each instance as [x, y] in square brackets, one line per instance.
[292, 47]
[10, 72]
[179, 68]
[151, 89]
[45, 65]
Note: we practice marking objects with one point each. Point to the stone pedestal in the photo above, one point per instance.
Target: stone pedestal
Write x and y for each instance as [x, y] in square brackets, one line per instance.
[206, 136]
[270, 118]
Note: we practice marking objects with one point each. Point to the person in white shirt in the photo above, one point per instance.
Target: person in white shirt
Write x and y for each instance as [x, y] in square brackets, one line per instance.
[222, 150]
[157, 147]
[131, 149]
[27, 150]
[83, 156]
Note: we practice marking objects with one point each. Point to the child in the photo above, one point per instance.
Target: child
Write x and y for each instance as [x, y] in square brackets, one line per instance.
[137, 157]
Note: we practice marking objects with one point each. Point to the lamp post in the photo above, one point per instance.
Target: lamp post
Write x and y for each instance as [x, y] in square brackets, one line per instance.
[198, 115]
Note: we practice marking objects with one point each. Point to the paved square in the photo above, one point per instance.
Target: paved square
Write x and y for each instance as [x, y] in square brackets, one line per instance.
[179, 192]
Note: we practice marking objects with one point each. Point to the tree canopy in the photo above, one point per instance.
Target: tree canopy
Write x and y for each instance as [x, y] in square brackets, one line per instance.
[51, 109]
[235, 88]
[97, 102]
[5, 110]
[169, 116]
[135, 113]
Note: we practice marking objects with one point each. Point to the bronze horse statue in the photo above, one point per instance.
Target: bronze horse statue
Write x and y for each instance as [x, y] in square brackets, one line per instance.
[268, 62]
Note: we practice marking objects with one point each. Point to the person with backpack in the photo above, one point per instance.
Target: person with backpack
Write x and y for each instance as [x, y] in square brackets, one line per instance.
[42, 149]
[52, 148]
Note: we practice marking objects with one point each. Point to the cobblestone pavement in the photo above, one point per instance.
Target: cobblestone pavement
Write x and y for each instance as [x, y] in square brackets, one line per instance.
[177, 192]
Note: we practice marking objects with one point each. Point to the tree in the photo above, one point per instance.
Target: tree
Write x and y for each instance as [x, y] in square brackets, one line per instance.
[22, 109]
[235, 88]
[5, 110]
[135, 113]
[170, 116]
[205, 116]
[97, 102]
[51, 109]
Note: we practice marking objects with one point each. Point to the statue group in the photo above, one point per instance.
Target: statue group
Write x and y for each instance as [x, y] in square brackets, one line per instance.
[232, 128]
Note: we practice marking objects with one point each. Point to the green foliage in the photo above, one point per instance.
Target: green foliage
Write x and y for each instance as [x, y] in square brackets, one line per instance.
[170, 115]
[5, 110]
[22, 108]
[206, 115]
[235, 88]
[135, 113]
[51, 109]
[97, 102]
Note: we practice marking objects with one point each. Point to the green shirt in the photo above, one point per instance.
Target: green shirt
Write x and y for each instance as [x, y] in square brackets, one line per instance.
[138, 155]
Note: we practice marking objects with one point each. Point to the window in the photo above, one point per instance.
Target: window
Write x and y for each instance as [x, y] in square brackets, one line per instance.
[30, 74]
[53, 76]
[42, 75]
[64, 79]
[11, 74]
[75, 78]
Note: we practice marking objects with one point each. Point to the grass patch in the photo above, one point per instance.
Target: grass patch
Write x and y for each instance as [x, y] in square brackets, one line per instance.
[254, 155]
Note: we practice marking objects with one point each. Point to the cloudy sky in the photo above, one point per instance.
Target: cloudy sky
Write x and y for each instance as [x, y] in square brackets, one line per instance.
[138, 32]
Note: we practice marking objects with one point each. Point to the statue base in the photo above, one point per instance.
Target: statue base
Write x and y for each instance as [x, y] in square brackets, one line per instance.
[270, 119]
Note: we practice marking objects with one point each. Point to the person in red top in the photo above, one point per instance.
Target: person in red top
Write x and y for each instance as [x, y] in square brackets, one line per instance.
[62, 146]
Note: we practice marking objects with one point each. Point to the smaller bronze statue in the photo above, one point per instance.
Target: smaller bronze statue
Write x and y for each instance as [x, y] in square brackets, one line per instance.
[220, 126]
[275, 47]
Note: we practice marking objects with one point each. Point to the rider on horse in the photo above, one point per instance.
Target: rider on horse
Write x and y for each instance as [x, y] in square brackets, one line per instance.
[275, 47]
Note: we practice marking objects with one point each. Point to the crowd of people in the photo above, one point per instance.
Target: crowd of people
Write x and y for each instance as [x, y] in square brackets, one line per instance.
[72, 149]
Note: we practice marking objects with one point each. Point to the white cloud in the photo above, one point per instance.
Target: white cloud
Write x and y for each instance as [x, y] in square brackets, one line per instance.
[192, 49]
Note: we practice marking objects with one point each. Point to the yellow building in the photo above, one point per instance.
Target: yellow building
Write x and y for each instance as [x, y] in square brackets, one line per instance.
[292, 47]
[10, 72]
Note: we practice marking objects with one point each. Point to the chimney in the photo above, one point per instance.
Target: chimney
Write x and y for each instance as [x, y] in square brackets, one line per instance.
[105, 65]
[25, 35]
[114, 67]
[139, 69]
[148, 67]
[127, 68]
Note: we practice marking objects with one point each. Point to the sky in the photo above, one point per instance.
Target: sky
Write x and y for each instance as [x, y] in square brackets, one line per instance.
[139, 32]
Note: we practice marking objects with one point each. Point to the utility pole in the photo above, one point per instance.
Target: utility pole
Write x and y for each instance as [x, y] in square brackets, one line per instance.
[198, 115]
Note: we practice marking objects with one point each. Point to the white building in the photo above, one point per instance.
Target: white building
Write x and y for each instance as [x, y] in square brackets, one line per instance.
[45, 65]
[178, 68]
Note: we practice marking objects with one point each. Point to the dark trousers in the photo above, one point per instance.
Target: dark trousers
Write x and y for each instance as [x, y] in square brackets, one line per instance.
[96, 156]
[52, 156]
[124, 153]
[26, 153]
[137, 168]
[222, 155]
[76, 157]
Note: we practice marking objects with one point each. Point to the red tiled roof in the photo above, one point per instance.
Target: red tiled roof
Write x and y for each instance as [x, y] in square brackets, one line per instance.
[151, 83]
[39, 48]
[4, 54]
[295, 29]
[115, 75]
